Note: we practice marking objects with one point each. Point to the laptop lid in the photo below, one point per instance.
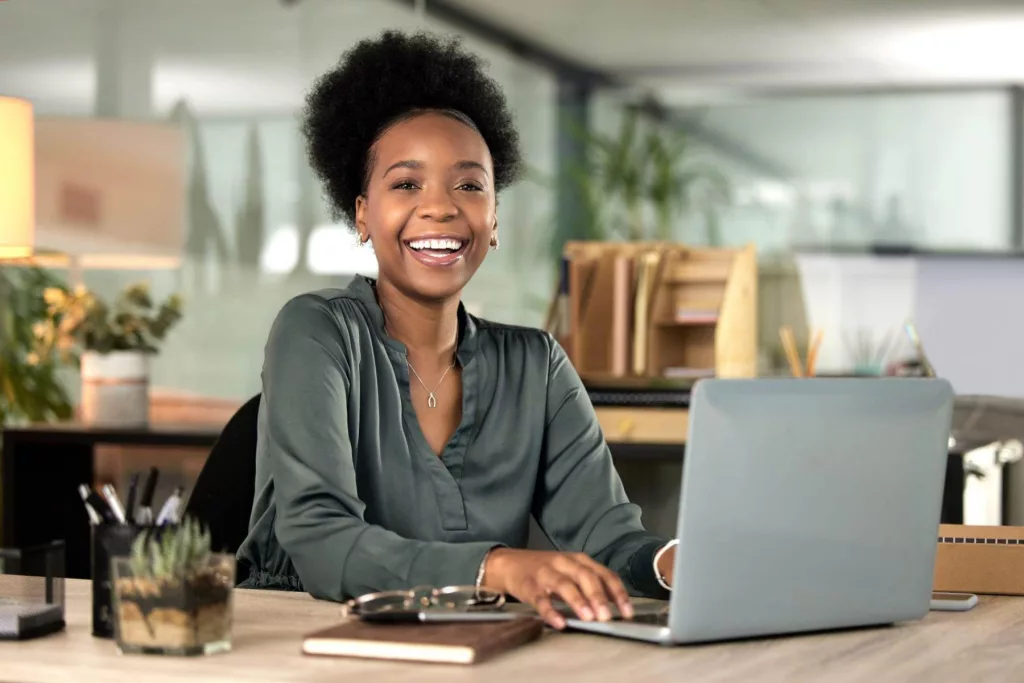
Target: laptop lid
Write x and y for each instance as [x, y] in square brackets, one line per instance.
[808, 504]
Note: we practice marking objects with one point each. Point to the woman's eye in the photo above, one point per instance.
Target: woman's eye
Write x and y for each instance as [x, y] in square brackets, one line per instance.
[471, 187]
[404, 185]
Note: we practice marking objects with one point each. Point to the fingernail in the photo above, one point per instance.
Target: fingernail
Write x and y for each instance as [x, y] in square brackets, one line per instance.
[586, 614]
[627, 610]
[603, 613]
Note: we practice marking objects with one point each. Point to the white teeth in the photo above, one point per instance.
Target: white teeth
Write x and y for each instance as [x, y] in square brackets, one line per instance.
[436, 245]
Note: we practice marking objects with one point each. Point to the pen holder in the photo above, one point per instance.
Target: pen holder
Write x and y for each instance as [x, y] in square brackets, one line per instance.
[108, 541]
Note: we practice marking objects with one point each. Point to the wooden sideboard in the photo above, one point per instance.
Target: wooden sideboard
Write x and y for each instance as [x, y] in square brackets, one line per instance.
[636, 425]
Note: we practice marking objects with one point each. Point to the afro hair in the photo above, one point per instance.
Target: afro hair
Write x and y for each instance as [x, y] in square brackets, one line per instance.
[383, 80]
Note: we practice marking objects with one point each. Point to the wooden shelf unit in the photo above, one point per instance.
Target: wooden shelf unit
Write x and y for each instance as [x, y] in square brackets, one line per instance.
[655, 309]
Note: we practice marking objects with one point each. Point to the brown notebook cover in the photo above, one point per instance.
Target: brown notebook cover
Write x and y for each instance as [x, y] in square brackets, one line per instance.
[453, 643]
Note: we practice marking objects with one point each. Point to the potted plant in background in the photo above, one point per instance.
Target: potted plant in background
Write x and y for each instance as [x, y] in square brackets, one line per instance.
[112, 344]
[172, 595]
[30, 385]
[647, 168]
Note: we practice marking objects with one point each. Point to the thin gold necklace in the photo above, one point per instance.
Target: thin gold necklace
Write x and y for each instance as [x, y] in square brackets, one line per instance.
[431, 398]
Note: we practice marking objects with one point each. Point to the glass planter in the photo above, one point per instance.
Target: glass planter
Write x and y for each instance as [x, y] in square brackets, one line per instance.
[179, 615]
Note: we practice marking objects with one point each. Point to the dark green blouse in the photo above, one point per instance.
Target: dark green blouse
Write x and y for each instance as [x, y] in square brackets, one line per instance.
[351, 499]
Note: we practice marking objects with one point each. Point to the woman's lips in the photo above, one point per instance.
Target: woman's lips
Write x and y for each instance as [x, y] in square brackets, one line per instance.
[437, 258]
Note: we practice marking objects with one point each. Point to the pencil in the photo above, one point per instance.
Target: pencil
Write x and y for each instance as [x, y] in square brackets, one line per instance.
[789, 344]
[812, 352]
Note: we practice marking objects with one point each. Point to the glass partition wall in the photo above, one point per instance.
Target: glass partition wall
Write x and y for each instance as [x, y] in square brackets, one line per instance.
[929, 169]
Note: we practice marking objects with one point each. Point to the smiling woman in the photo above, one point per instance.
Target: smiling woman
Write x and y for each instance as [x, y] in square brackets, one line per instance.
[432, 205]
[402, 441]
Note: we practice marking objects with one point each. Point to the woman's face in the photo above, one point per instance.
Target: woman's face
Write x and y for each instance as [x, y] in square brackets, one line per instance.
[429, 206]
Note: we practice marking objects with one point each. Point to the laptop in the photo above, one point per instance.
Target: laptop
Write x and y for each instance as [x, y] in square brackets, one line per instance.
[806, 505]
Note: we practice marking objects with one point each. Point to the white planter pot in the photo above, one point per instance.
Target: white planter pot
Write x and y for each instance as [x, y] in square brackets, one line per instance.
[115, 389]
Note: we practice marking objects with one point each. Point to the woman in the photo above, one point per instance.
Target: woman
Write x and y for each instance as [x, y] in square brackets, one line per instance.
[402, 441]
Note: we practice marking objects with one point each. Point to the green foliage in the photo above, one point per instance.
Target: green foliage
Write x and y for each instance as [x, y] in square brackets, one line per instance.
[647, 168]
[80, 320]
[30, 389]
[171, 552]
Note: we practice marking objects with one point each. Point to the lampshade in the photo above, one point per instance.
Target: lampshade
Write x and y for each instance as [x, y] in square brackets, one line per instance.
[17, 179]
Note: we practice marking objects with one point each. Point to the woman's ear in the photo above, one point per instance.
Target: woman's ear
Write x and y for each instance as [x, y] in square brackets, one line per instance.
[494, 235]
[364, 233]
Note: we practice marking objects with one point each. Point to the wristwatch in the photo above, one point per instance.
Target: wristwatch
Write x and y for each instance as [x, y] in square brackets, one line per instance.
[657, 559]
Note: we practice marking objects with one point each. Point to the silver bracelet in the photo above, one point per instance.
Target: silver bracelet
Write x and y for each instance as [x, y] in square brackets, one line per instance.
[657, 558]
[480, 571]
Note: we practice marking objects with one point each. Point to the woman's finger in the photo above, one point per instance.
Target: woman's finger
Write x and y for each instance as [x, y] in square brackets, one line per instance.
[612, 584]
[594, 588]
[565, 587]
[535, 596]
[592, 583]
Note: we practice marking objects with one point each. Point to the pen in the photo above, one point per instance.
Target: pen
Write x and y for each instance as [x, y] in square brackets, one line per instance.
[96, 502]
[129, 506]
[169, 512]
[114, 502]
[94, 517]
[812, 353]
[929, 371]
[145, 513]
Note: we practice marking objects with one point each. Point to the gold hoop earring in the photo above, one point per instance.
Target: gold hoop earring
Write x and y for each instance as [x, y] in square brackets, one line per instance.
[494, 243]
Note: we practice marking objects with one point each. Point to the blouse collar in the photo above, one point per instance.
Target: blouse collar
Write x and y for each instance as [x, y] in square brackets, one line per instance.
[364, 289]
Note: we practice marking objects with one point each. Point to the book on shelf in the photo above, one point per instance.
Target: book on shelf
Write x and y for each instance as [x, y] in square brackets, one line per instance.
[688, 373]
[645, 281]
[622, 314]
[696, 316]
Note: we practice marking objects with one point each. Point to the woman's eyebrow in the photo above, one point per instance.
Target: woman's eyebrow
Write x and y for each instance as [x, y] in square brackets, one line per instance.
[405, 163]
[416, 165]
[467, 164]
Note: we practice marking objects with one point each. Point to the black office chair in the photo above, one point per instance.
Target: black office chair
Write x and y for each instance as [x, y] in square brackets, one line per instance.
[223, 494]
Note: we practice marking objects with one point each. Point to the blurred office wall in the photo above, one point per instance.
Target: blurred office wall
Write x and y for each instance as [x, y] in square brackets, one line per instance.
[233, 74]
[929, 168]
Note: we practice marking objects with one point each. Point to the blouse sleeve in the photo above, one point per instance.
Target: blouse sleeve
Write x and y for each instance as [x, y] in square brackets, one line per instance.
[580, 503]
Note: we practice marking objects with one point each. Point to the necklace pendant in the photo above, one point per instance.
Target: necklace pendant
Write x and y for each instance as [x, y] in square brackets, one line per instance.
[431, 401]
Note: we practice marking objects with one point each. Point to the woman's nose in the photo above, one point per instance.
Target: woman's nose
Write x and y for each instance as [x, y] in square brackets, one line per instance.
[437, 204]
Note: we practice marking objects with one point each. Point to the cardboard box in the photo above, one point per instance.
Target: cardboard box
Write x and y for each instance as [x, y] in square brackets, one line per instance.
[980, 559]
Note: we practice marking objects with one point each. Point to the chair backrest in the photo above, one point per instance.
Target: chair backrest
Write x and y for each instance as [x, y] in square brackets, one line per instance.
[223, 495]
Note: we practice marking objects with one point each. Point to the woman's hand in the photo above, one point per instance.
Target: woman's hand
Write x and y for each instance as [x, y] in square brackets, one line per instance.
[535, 576]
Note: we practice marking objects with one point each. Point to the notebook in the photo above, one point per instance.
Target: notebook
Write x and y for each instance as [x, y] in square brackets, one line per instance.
[451, 643]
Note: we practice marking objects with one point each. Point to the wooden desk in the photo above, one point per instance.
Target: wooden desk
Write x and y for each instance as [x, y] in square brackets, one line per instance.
[983, 644]
[43, 466]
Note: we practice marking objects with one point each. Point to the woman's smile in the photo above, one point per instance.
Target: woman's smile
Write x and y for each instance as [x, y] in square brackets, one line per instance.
[437, 250]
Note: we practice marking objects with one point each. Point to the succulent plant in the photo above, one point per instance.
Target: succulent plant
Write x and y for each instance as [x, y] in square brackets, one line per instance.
[171, 553]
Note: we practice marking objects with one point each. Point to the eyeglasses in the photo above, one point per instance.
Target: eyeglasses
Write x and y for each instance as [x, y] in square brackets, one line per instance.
[452, 598]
